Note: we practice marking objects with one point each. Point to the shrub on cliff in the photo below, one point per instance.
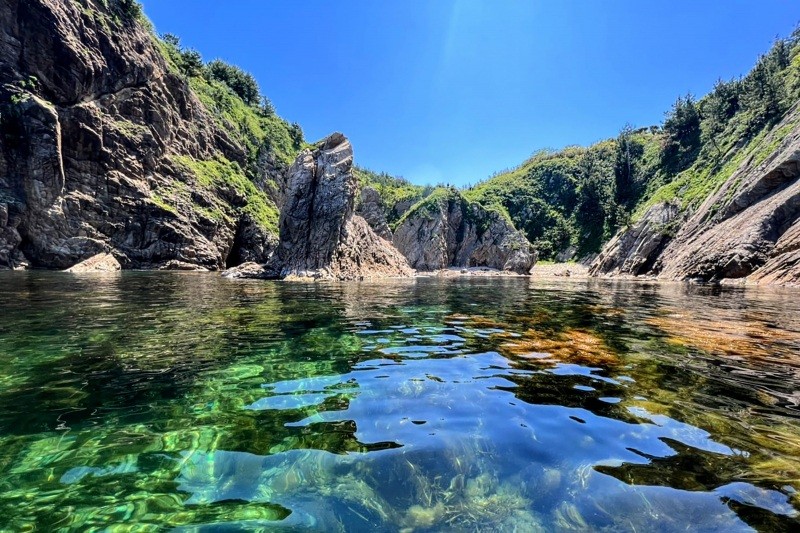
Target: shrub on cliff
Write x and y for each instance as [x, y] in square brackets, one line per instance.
[240, 82]
[681, 135]
[130, 9]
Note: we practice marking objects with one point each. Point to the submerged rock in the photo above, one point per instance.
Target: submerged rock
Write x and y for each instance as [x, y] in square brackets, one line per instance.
[103, 262]
[445, 230]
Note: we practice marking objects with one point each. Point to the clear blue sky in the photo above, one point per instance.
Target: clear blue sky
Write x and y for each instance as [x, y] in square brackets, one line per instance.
[446, 90]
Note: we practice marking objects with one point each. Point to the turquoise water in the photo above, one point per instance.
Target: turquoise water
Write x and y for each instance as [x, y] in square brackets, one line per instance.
[161, 401]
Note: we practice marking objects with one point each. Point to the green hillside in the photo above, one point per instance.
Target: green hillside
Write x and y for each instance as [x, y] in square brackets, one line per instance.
[581, 196]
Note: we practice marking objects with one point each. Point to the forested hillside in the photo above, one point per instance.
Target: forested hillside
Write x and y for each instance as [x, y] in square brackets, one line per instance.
[581, 197]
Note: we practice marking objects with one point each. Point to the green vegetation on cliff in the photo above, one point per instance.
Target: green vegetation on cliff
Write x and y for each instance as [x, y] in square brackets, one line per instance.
[733, 121]
[571, 199]
[220, 174]
[443, 198]
[397, 193]
[576, 196]
[234, 101]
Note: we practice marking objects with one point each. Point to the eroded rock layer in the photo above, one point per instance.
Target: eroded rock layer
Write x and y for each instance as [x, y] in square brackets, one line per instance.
[320, 235]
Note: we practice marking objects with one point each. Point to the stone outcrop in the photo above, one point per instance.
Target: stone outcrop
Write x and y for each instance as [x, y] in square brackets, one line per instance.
[98, 263]
[748, 230]
[362, 254]
[251, 270]
[371, 208]
[320, 236]
[446, 230]
[632, 252]
[92, 121]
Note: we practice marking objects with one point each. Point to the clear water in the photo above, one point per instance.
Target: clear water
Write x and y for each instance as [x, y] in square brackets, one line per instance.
[150, 402]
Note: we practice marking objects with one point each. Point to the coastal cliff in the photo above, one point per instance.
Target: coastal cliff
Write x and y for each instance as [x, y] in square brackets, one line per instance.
[116, 141]
[105, 147]
[447, 230]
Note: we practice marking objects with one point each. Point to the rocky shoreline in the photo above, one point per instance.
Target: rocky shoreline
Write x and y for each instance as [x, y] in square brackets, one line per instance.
[745, 233]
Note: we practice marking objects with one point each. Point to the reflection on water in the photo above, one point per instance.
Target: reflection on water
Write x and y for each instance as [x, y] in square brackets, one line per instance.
[196, 403]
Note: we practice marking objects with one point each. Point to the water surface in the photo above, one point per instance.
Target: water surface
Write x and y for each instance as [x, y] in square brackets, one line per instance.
[159, 401]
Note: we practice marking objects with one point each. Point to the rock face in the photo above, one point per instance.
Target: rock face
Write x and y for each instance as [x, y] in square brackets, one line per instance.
[446, 230]
[748, 230]
[632, 252]
[91, 122]
[320, 236]
[371, 209]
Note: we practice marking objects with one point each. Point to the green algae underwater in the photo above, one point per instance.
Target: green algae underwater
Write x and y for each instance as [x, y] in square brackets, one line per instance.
[187, 402]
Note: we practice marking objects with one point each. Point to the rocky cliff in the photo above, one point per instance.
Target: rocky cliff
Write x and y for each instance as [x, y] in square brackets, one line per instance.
[373, 209]
[105, 148]
[446, 230]
[747, 230]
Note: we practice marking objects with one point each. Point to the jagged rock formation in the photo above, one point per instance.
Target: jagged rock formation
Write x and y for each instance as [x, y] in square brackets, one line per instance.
[445, 230]
[748, 230]
[93, 127]
[320, 236]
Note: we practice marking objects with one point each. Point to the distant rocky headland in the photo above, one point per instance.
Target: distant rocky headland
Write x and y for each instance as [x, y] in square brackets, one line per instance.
[121, 148]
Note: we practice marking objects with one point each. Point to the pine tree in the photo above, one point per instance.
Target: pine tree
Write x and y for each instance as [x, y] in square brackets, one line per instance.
[682, 135]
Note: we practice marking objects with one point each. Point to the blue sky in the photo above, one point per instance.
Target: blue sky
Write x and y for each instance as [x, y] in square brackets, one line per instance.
[453, 91]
